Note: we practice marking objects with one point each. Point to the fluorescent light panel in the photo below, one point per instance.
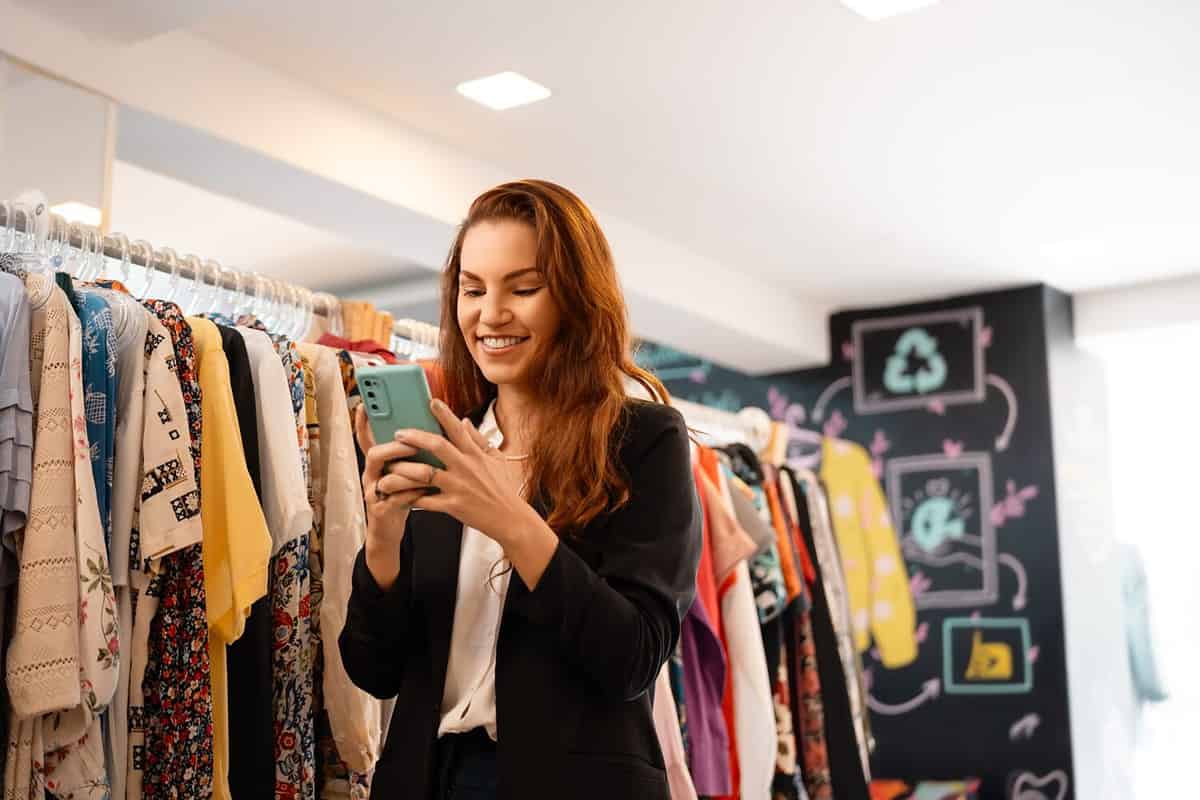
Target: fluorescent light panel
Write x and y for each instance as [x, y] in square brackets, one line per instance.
[78, 212]
[876, 10]
[504, 91]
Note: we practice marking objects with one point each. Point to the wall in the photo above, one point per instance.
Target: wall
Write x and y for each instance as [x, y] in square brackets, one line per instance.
[56, 138]
[1103, 713]
[962, 432]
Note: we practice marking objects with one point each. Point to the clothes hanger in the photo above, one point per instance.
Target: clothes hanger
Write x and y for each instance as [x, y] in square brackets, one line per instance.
[22, 250]
[217, 272]
[169, 257]
[122, 242]
[147, 252]
[95, 265]
[271, 308]
[193, 263]
[238, 298]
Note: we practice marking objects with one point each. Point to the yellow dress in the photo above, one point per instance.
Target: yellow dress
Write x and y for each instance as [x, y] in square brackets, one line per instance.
[237, 544]
[881, 603]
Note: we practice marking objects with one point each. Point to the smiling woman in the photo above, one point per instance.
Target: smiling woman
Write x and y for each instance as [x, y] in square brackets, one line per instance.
[542, 590]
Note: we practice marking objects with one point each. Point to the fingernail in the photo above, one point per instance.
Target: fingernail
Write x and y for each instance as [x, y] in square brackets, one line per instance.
[437, 404]
[400, 436]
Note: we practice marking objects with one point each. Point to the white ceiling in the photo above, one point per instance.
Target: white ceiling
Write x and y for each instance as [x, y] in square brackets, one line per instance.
[972, 144]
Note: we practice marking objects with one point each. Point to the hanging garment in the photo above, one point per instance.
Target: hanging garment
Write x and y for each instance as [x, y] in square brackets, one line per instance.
[849, 770]
[804, 682]
[367, 346]
[881, 600]
[16, 452]
[754, 716]
[670, 741]
[807, 707]
[74, 764]
[788, 784]
[741, 497]
[316, 499]
[42, 670]
[354, 715]
[289, 518]
[249, 659]
[704, 667]
[834, 632]
[237, 544]
[130, 322]
[731, 545]
[171, 733]
[100, 395]
[1139, 639]
[16, 420]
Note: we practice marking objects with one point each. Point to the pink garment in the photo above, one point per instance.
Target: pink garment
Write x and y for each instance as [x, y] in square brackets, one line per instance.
[666, 723]
[730, 542]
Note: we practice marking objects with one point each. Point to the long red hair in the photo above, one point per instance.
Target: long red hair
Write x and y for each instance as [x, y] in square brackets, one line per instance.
[574, 465]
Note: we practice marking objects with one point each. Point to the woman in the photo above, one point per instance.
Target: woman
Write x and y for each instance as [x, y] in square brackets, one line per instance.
[523, 615]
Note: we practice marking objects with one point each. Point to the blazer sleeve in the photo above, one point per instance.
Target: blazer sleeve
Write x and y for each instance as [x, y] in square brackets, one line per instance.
[619, 622]
[373, 639]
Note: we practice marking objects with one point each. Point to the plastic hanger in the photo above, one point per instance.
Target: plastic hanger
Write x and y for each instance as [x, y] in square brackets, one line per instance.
[147, 252]
[122, 244]
[168, 257]
[217, 273]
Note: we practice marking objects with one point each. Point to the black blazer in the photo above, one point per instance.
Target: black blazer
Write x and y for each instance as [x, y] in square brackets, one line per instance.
[577, 658]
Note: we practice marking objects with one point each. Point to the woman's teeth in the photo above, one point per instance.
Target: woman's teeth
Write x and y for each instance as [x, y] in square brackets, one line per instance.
[498, 343]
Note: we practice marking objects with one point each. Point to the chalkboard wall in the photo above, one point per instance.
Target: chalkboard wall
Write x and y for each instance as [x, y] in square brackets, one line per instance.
[952, 400]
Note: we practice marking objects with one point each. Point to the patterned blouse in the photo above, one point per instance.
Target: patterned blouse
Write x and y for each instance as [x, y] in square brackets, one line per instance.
[177, 759]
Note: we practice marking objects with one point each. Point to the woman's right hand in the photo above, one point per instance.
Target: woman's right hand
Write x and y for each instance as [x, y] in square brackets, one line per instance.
[388, 497]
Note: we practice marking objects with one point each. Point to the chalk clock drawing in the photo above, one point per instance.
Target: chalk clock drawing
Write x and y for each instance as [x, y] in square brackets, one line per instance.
[942, 505]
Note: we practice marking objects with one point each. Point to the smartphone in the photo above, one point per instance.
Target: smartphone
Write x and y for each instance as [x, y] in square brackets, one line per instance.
[396, 396]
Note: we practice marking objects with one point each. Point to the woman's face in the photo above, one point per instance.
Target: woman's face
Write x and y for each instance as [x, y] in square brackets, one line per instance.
[505, 310]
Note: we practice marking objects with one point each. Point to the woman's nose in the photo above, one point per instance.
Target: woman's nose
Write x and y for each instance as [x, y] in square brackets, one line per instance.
[494, 313]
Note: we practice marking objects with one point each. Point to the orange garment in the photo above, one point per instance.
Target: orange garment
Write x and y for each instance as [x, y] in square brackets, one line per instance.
[787, 563]
[888, 790]
[706, 581]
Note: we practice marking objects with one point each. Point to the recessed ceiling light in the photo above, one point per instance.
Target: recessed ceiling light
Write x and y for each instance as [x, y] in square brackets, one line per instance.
[506, 90]
[876, 10]
[78, 212]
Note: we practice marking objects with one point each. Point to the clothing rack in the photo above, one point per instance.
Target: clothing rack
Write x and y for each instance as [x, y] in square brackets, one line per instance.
[750, 426]
[413, 332]
[17, 219]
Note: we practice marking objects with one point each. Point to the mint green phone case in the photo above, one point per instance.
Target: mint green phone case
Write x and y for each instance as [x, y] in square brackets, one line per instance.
[396, 396]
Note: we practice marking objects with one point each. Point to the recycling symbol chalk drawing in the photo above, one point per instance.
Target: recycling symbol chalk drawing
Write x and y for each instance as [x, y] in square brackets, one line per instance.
[928, 377]
[933, 522]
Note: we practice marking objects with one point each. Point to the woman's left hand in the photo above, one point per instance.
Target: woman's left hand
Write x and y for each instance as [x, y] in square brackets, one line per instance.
[477, 486]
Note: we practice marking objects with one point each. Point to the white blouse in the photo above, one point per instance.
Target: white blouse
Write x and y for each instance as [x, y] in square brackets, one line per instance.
[469, 699]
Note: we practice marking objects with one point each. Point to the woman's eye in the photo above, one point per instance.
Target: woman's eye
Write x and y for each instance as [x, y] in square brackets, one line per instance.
[527, 292]
[472, 292]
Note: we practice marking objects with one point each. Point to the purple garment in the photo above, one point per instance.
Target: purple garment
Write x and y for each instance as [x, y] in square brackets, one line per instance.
[704, 669]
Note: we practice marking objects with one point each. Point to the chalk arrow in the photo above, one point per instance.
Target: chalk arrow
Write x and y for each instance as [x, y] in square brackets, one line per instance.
[1024, 727]
[1011, 422]
[929, 691]
[1018, 569]
[827, 395]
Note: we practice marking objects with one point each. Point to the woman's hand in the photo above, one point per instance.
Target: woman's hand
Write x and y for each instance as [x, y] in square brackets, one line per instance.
[389, 498]
[477, 488]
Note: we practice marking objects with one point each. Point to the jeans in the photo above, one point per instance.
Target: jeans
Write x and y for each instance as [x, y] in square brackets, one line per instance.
[466, 767]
